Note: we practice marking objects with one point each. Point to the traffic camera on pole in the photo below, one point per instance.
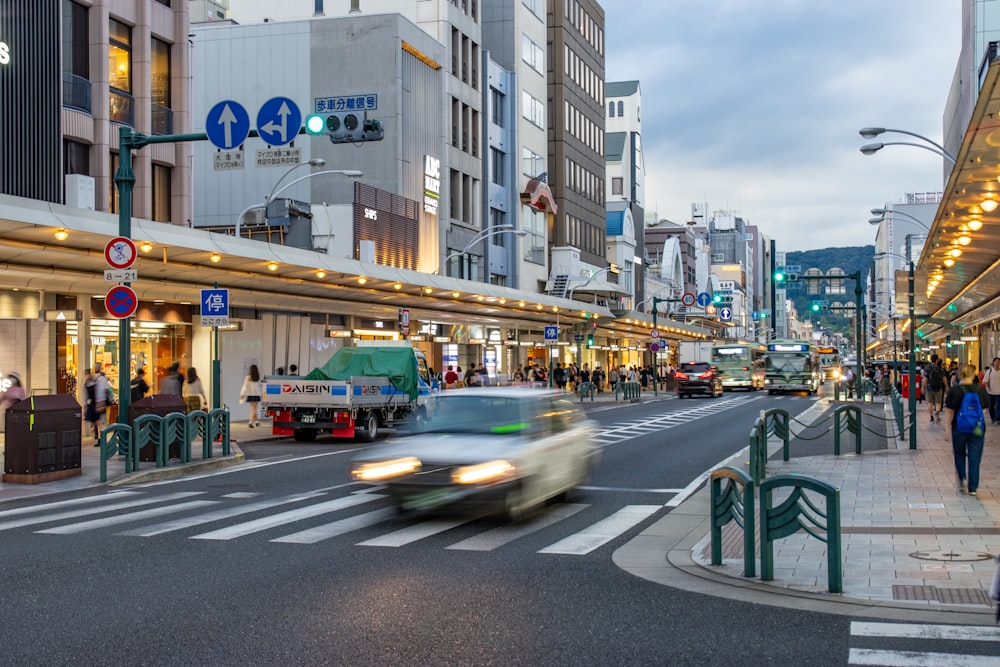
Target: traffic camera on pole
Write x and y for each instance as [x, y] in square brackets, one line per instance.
[345, 127]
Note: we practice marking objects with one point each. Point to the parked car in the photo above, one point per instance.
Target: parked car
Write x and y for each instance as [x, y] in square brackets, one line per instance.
[698, 377]
[496, 448]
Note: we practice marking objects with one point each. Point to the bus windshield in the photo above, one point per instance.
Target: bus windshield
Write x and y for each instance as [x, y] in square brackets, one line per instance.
[784, 362]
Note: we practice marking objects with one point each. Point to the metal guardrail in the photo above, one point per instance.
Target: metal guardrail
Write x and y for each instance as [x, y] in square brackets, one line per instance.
[799, 512]
[176, 428]
[735, 502]
[586, 389]
[629, 391]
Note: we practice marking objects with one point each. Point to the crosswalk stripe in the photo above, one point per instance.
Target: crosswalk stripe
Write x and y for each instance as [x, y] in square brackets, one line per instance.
[603, 531]
[501, 535]
[32, 509]
[221, 515]
[411, 534]
[926, 631]
[267, 522]
[863, 656]
[336, 528]
[94, 524]
[73, 514]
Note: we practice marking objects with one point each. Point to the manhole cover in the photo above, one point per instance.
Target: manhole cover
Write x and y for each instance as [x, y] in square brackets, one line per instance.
[950, 555]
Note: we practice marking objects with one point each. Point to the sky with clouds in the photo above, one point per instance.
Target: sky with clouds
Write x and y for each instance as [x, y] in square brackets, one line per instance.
[754, 106]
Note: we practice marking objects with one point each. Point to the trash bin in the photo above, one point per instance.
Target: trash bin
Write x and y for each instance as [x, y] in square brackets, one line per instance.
[906, 386]
[43, 435]
[162, 405]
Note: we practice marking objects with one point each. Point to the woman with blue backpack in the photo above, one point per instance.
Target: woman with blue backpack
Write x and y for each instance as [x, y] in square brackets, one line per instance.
[964, 407]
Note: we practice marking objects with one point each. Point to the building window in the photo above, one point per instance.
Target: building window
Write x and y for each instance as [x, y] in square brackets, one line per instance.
[616, 185]
[532, 54]
[533, 110]
[611, 109]
[496, 106]
[534, 241]
[162, 121]
[532, 164]
[161, 193]
[120, 73]
[76, 157]
[496, 166]
[621, 109]
[537, 8]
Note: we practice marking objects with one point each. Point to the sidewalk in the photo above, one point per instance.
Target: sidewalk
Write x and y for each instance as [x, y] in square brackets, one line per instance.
[90, 468]
[913, 545]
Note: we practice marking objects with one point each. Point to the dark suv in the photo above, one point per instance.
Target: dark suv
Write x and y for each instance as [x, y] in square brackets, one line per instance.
[698, 377]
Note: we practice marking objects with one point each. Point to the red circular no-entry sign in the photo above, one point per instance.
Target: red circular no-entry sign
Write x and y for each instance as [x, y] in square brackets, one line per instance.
[121, 301]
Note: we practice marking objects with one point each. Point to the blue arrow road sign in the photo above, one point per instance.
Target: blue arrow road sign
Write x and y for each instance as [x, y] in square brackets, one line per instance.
[704, 299]
[726, 313]
[227, 125]
[551, 333]
[278, 121]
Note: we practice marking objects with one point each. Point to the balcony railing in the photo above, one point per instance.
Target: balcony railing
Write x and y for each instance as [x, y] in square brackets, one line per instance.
[76, 92]
[122, 107]
[162, 121]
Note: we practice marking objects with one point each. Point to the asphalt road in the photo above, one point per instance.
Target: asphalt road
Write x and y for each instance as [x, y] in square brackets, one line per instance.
[283, 561]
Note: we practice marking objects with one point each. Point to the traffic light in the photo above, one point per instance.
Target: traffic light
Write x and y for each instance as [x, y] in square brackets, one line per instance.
[345, 127]
[779, 276]
[590, 340]
[815, 307]
[716, 298]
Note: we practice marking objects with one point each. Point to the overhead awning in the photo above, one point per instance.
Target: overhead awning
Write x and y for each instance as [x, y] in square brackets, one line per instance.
[959, 263]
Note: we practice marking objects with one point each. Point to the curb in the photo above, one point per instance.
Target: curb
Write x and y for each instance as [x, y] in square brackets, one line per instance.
[182, 470]
[662, 554]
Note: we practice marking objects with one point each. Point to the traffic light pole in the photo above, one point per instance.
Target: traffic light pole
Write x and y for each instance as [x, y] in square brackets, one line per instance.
[128, 141]
[912, 399]
[656, 365]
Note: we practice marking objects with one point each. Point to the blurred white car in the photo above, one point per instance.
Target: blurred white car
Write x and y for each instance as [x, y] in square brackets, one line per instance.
[497, 448]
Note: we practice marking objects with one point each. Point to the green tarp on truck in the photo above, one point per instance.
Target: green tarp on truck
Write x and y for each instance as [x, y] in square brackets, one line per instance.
[398, 364]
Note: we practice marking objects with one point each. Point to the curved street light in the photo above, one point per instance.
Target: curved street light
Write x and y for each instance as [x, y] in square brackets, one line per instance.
[608, 269]
[352, 173]
[882, 212]
[482, 236]
[871, 149]
[872, 132]
[314, 162]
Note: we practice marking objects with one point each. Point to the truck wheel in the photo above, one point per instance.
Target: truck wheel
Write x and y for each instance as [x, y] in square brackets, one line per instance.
[371, 428]
[304, 434]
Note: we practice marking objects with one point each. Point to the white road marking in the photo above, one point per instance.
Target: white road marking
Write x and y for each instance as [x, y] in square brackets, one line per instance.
[94, 524]
[617, 489]
[267, 522]
[982, 633]
[221, 515]
[603, 531]
[863, 656]
[502, 535]
[72, 514]
[328, 530]
[413, 533]
[66, 503]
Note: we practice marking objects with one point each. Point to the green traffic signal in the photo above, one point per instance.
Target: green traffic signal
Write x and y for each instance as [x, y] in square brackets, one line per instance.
[590, 340]
[779, 276]
[315, 124]
[815, 307]
[717, 298]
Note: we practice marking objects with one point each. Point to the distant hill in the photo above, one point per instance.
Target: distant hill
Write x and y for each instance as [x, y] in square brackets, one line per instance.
[849, 259]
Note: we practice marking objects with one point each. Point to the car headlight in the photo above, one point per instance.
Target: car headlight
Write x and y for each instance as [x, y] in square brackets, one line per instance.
[370, 472]
[491, 471]
[836, 375]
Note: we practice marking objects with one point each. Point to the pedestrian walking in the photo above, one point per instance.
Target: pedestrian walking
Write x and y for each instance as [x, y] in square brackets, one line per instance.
[13, 394]
[250, 394]
[138, 385]
[194, 392]
[935, 384]
[968, 427]
[173, 383]
[991, 382]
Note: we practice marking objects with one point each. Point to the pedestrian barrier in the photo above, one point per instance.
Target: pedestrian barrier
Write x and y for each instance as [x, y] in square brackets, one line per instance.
[770, 422]
[735, 502]
[846, 417]
[797, 512]
[585, 389]
[176, 428]
[630, 391]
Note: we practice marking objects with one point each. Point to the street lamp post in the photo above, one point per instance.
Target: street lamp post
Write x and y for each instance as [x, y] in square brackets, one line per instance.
[482, 236]
[656, 300]
[872, 132]
[353, 173]
[912, 370]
